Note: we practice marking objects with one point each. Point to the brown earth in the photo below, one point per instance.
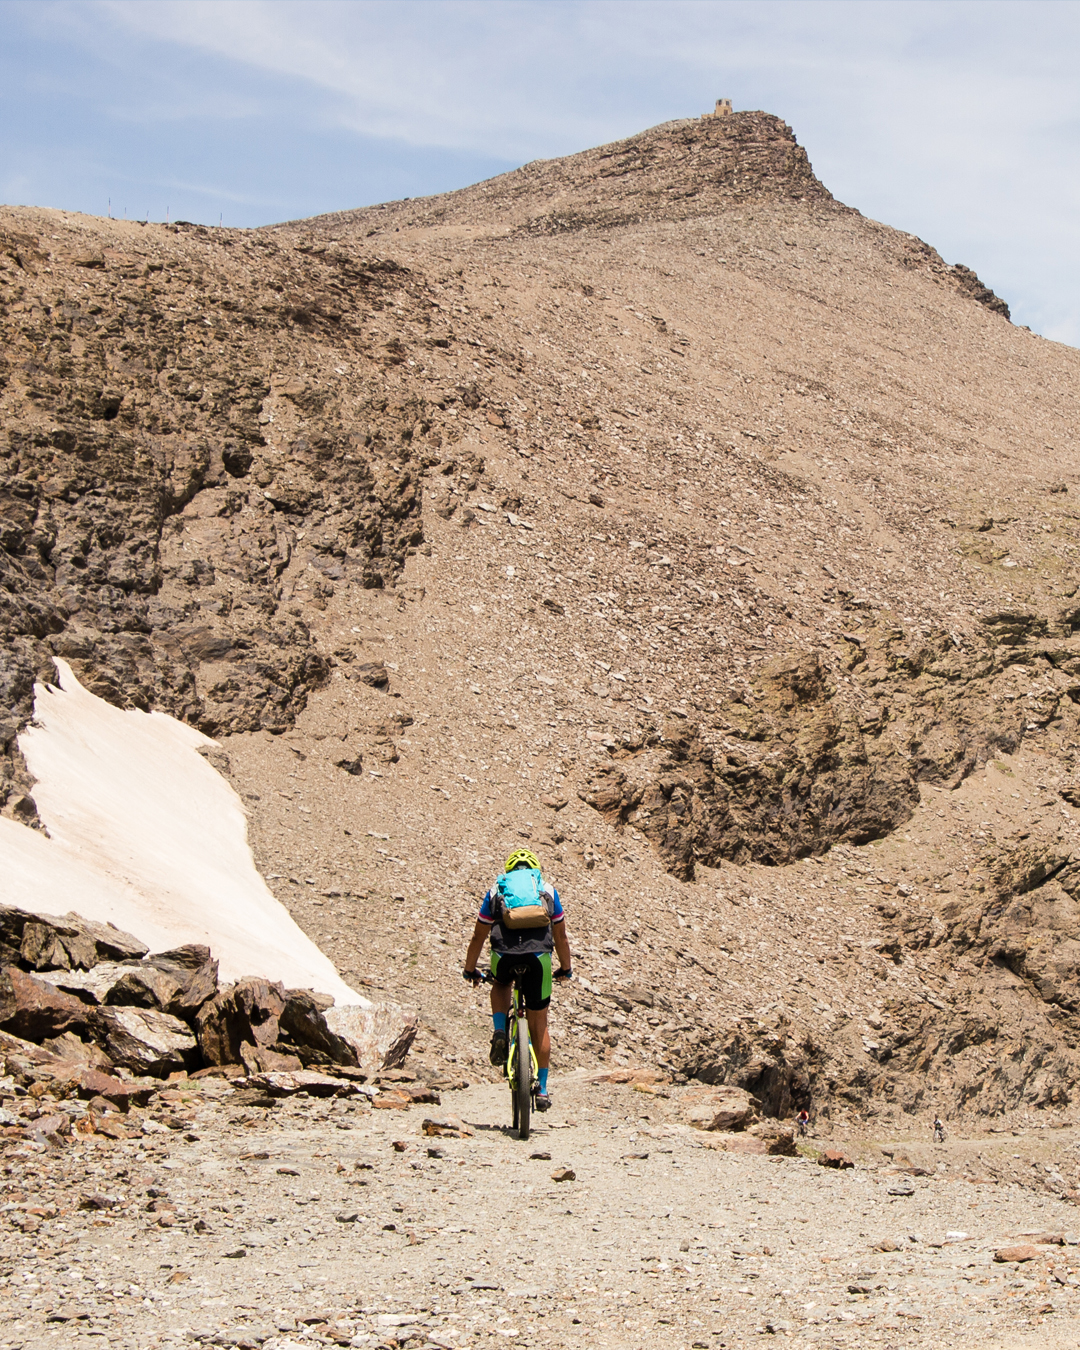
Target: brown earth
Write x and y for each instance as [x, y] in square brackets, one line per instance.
[648, 505]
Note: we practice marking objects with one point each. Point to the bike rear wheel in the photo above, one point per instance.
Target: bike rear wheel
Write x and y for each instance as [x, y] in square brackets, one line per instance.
[522, 1084]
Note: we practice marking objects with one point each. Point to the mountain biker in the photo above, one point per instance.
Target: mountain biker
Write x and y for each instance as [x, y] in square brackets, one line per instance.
[525, 952]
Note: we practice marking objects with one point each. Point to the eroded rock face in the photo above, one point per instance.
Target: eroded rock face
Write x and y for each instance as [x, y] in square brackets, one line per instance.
[831, 746]
[775, 1068]
[151, 532]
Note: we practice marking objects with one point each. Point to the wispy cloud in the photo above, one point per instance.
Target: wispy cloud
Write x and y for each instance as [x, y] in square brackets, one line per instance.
[957, 119]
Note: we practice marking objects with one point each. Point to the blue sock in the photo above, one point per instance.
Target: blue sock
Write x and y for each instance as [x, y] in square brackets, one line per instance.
[543, 1081]
[500, 1021]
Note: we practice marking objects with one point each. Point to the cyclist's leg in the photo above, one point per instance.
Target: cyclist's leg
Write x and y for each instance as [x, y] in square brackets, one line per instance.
[501, 996]
[500, 993]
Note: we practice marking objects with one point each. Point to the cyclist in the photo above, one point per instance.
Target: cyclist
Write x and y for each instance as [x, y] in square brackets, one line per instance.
[802, 1120]
[939, 1131]
[525, 952]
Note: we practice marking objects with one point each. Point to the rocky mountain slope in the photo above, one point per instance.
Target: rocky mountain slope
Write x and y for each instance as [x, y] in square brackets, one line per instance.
[649, 505]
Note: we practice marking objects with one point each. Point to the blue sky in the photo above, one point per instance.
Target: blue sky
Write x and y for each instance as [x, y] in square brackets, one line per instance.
[958, 120]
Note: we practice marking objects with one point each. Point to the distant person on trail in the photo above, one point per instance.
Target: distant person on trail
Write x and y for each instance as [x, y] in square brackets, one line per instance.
[939, 1131]
[802, 1120]
[525, 952]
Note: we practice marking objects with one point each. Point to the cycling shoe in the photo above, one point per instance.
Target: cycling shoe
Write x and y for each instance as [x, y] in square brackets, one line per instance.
[543, 1101]
[498, 1048]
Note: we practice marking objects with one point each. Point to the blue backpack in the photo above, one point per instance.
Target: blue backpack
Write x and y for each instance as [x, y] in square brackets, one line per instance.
[522, 903]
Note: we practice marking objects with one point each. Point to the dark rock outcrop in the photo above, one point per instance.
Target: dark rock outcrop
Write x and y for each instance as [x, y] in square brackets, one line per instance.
[151, 534]
[67, 942]
[35, 1010]
[261, 1025]
[830, 746]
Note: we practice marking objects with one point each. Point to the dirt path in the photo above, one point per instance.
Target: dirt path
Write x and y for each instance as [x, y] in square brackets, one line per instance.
[302, 1224]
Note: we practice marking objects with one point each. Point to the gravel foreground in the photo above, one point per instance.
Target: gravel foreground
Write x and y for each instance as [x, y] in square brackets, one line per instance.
[329, 1222]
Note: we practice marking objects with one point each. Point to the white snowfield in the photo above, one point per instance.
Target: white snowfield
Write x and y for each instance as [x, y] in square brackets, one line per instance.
[146, 835]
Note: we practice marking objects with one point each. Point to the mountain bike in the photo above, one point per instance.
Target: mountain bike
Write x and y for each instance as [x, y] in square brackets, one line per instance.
[522, 1070]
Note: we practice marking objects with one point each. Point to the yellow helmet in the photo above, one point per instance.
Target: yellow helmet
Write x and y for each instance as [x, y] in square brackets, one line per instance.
[521, 857]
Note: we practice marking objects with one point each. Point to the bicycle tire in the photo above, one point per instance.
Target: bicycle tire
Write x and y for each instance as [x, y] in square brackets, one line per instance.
[511, 1072]
[523, 1081]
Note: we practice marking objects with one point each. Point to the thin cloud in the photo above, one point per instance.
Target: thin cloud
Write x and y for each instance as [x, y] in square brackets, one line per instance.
[956, 120]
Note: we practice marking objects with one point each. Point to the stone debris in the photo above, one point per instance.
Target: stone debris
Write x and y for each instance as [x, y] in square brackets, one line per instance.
[1019, 1254]
[449, 1127]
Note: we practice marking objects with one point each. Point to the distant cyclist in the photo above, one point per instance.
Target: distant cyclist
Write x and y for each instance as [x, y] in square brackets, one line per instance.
[523, 916]
[802, 1120]
[939, 1131]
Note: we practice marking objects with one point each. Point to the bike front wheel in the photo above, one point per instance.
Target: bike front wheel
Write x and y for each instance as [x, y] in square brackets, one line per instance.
[522, 1084]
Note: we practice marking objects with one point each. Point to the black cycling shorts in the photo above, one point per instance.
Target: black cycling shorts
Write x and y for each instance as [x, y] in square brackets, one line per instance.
[534, 976]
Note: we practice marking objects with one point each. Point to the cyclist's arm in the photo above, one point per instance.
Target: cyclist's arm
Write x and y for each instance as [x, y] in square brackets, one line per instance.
[476, 944]
[562, 943]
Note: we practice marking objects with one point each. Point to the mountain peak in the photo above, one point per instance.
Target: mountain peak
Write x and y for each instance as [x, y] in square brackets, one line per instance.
[677, 170]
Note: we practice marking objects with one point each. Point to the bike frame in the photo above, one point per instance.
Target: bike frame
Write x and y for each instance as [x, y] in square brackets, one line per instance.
[519, 1014]
[517, 1028]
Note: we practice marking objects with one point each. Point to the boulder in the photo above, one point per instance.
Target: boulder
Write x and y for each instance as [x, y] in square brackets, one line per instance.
[97, 985]
[146, 1041]
[69, 1049]
[27, 1063]
[51, 942]
[382, 1035]
[143, 986]
[727, 1109]
[1024, 1252]
[195, 972]
[257, 1059]
[246, 1013]
[303, 1080]
[779, 1140]
[737, 1143]
[53, 1129]
[264, 1027]
[34, 1009]
[832, 1157]
[392, 1101]
[447, 1127]
[173, 982]
[94, 1083]
[303, 1024]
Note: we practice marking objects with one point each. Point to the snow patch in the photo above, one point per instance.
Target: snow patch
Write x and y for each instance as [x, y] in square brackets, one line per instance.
[146, 835]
